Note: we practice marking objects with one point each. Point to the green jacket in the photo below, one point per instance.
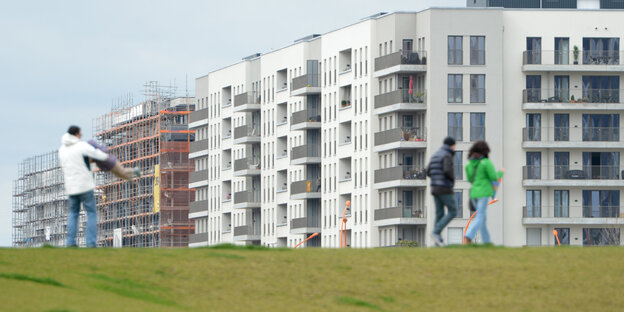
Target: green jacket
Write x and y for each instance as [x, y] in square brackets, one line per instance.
[486, 174]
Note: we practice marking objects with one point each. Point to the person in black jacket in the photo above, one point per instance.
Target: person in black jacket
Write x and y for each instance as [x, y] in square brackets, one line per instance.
[441, 170]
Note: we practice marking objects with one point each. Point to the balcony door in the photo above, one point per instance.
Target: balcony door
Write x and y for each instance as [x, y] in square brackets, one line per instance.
[534, 50]
[534, 88]
[601, 203]
[562, 89]
[562, 127]
[408, 203]
[601, 165]
[562, 203]
[534, 165]
[533, 203]
[534, 127]
[562, 51]
[562, 165]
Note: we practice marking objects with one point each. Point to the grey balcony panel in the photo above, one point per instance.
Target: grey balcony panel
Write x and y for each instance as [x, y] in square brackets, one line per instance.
[246, 131]
[198, 206]
[400, 58]
[398, 97]
[568, 59]
[246, 98]
[399, 173]
[399, 212]
[198, 238]
[245, 230]
[305, 151]
[199, 146]
[245, 164]
[305, 81]
[246, 197]
[304, 116]
[199, 115]
[198, 176]
[305, 223]
[399, 135]
[301, 187]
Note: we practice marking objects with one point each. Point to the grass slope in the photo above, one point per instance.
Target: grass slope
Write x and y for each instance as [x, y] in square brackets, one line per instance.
[243, 279]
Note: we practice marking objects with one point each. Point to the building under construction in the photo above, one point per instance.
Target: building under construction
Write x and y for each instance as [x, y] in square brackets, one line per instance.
[40, 207]
[152, 210]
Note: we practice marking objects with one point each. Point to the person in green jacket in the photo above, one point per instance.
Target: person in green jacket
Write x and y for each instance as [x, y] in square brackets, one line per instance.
[481, 173]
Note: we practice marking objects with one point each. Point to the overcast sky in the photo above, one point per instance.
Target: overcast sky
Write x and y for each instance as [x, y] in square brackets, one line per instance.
[63, 62]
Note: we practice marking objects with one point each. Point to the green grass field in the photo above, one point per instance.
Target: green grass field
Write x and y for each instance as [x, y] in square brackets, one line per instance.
[235, 279]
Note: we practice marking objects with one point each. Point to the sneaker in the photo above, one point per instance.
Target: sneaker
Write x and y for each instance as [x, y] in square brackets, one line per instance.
[437, 239]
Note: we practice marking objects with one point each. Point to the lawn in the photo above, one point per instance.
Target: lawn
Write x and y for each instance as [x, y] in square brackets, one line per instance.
[240, 279]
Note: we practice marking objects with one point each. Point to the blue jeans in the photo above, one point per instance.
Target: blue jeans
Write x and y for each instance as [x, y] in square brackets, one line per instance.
[442, 220]
[88, 201]
[479, 221]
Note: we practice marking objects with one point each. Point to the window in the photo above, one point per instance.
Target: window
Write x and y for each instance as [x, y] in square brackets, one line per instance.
[562, 89]
[601, 204]
[562, 165]
[601, 89]
[477, 126]
[601, 237]
[601, 51]
[562, 51]
[477, 50]
[601, 127]
[477, 88]
[534, 237]
[533, 208]
[455, 127]
[562, 127]
[460, 207]
[534, 127]
[459, 165]
[562, 203]
[533, 92]
[533, 166]
[564, 236]
[455, 50]
[454, 91]
[534, 51]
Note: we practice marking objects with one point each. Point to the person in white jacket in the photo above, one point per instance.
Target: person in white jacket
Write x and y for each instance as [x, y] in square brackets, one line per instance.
[74, 156]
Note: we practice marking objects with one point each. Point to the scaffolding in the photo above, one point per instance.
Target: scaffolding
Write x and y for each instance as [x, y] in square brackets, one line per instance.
[40, 207]
[150, 211]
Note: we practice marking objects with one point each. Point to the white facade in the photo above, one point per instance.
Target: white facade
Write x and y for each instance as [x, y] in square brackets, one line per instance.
[284, 139]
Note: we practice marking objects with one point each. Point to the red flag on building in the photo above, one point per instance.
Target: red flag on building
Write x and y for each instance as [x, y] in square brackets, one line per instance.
[411, 86]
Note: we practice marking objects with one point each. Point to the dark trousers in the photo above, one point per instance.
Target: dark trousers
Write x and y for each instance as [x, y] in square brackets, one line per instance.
[442, 219]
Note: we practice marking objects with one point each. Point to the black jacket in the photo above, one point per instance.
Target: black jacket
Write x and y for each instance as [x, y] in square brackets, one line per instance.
[441, 170]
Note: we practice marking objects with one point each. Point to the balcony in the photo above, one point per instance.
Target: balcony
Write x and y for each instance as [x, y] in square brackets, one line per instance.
[198, 149]
[583, 176]
[198, 239]
[400, 101]
[305, 154]
[198, 178]
[198, 209]
[305, 119]
[400, 62]
[401, 215]
[246, 167]
[400, 138]
[572, 215]
[572, 138]
[306, 85]
[246, 134]
[247, 233]
[247, 102]
[305, 225]
[305, 189]
[564, 61]
[246, 199]
[198, 118]
[400, 176]
[572, 99]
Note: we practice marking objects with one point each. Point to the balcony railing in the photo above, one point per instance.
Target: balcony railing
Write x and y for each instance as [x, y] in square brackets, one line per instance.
[246, 131]
[400, 173]
[198, 176]
[246, 197]
[305, 222]
[198, 115]
[399, 96]
[198, 238]
[601, 212]
[592, 57]
[304, 81]
[413, 134]
[305, 151]
[563, 211]
[305, 186]
[399, 212]
[304, 116]
[246, 230]
[567, 134]
[566, 173]
[566, 95]
[247, 98]
[246, 164]
[199, 146]
[401, 58]
[198, 206]
[532, 212]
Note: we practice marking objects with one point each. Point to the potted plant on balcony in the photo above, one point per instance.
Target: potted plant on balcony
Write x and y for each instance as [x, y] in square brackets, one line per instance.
[576, 54]
[419, 97]
[572, 99]
[343, 103]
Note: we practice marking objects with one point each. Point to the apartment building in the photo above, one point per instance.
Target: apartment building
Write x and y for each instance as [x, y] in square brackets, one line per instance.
[286, 138]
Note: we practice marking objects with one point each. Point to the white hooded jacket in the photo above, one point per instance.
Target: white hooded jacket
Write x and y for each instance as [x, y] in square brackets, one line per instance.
[78, 178]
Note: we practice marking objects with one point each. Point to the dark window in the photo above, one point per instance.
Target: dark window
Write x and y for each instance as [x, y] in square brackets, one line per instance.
[460, 206]
[533, 204]
[477, 88]
[534, 50]
[459, 167]
[455, 50]
[562, 203]
[455, 126]
[477, 50]
[564, 236]
[477, 126]
[454, 91]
